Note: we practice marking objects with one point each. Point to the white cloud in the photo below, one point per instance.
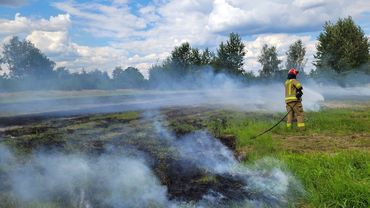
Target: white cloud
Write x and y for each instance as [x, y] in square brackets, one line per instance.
[157, 27]
[58, 46]
[52, 37]
[147, 35]
[289, 16]
[115, 21]
[151, 34]
[21, 24]
[50, 42]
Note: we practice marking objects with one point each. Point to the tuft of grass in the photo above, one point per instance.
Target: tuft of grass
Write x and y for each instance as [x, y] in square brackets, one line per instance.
[333, 180]
[82, 126]
[125, 116]
[182, 128]
[206, 179]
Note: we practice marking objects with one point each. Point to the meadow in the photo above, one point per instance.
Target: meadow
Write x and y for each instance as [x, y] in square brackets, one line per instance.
[331, 158]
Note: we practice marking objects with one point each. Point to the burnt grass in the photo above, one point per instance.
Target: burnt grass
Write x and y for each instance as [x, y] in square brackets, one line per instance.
[95, 134]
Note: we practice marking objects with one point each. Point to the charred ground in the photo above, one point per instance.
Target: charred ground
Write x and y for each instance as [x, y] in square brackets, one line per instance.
[97, 134]
[336, 139]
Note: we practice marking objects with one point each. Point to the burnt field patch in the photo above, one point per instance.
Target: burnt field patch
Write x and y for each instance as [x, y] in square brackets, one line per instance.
[191, 157]
[187, 164]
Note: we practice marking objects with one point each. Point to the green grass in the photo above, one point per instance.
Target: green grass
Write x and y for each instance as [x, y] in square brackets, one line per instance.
[336, 121]
[126, 116]
[332, 176]
[333, 180]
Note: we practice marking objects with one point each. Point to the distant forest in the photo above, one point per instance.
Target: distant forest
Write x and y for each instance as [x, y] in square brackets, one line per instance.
[342, 51]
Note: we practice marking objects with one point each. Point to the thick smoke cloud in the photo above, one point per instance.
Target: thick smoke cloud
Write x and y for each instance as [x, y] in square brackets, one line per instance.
[207, 152]
[117, 179]
[204, 89]
[269, 184]
[114, 180]
[127, 180]
[215, 90]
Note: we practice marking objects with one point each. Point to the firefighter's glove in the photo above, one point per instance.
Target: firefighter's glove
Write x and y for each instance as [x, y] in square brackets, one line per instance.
[299, 94]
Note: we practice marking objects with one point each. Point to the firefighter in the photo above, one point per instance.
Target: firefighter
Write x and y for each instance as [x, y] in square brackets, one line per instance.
[293, 99]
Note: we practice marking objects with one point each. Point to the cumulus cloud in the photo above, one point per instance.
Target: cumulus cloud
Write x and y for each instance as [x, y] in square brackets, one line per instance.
[50, 42]
[113, 20]
[52, 37]
[289, 16]
[102, 58]
[149, 35]
[161, 26]
[142, 34]
[22, 25]
[152, 32]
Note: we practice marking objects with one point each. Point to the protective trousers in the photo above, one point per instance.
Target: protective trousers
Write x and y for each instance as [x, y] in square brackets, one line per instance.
[295, 110]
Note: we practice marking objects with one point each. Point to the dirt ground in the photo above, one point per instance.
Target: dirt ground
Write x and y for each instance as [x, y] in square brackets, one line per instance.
[322, 143]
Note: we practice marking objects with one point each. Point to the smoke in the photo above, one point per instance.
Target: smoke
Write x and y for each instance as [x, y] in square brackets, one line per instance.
[114, 180]
[267, 180]
[207, 152]
[332, 92]
[204, 88]
[5, 155]
[228, 94]
[123, 177]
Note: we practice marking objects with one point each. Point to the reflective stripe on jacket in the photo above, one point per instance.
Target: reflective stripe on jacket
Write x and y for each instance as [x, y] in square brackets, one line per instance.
[291, 86]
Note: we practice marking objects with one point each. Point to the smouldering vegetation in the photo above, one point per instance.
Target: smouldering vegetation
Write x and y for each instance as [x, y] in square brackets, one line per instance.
[331, 158]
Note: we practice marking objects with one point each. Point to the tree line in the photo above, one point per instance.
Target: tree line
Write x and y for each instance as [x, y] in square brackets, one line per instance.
[342, 48]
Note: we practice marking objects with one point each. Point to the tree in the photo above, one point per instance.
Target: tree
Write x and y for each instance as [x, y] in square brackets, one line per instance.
[24, 59]
[100, 78]
[207, 57]
[230, 55]
[296, 56]
[117, 73]
[133, 77]
[182, 56]
[269, 61]
[159, 75]
[128, 78]
[195, 57]
[342, 46]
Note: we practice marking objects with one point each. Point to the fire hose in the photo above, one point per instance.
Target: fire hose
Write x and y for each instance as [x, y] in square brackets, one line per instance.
[264, 132]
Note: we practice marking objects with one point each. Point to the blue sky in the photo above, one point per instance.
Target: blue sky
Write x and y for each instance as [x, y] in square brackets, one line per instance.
[102, 34]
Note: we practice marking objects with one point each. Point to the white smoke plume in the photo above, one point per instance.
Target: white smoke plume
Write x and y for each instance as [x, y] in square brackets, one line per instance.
[213, 90]
[206, 151]
[117, 179]
[271, 185]
[204, 89]
[105, 181]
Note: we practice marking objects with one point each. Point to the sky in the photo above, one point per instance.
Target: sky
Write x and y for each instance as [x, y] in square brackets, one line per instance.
[103, 34]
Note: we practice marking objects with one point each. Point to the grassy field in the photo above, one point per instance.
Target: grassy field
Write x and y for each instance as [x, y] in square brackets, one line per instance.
[331, 157]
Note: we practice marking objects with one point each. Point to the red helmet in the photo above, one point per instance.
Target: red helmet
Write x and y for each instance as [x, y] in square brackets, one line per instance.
[293, 71]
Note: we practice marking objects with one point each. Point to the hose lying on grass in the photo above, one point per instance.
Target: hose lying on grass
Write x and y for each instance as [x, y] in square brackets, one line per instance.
[264, 132]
